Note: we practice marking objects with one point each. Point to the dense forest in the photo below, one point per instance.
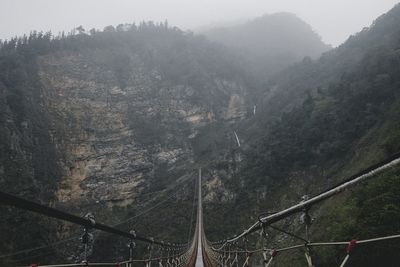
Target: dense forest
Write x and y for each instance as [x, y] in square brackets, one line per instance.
[112, 122]
[321, 121]
[103, 122]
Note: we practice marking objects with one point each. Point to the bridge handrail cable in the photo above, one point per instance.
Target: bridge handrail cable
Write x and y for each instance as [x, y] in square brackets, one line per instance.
[11, 200]
[354, 179]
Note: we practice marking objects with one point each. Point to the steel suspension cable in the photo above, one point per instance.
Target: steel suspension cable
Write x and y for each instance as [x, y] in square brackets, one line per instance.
[192, 215]
[10, 200]
[24, 251]
[354, 179]
[146, 211]
[318, 244]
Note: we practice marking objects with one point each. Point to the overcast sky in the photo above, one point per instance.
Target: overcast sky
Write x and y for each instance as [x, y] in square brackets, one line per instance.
[334, 20]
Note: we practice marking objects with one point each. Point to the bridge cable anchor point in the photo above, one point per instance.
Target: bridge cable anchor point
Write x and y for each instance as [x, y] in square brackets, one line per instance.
[352, 244]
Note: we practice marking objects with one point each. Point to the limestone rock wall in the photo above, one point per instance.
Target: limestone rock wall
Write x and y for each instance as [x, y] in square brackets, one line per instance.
[112, 139]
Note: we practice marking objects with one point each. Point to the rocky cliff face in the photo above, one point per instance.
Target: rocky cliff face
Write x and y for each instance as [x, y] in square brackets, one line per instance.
[113, 139]
[98, 123]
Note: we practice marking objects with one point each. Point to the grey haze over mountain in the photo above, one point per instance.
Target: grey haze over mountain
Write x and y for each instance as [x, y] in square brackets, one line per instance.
[270, 42]
[334, 20]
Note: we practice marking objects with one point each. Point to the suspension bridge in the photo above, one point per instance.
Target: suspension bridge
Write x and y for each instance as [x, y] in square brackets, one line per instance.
[199, 251]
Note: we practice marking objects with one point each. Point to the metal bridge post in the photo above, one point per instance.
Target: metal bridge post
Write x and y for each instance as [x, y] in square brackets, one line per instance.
[226, 263]
[173, 257]
[150, 248]
[85, 240]
[224, 258]
[308, 256]
[235, 260]
[131, 245]
[168, 255]
[161, 254]
[273, 253]
[265, 258]
[247, 261]
[86, 236]
[306, 219]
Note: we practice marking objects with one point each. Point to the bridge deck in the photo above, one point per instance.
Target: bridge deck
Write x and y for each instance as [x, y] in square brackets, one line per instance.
[199, 259]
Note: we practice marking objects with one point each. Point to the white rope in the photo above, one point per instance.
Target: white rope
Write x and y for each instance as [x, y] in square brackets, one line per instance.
[378, 239]
[308, 258]
[345, 260]
[269, 262]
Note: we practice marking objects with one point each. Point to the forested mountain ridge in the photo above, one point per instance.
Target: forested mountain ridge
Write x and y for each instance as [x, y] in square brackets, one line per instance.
[114, 122]
[358, 79]
[318, 122]
[270, 43]
[104, 123]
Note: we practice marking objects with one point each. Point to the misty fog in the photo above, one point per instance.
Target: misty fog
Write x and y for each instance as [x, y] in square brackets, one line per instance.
[334, 21]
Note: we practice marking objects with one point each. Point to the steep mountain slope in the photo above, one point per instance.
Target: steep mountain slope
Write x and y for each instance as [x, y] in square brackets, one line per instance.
[28, 164]
[271, 42]
[115, 122]
[318, 122]
[104, 123]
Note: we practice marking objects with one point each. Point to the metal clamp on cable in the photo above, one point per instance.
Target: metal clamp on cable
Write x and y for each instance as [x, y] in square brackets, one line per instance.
[264, 232]
[351, 246]
[349, 249]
